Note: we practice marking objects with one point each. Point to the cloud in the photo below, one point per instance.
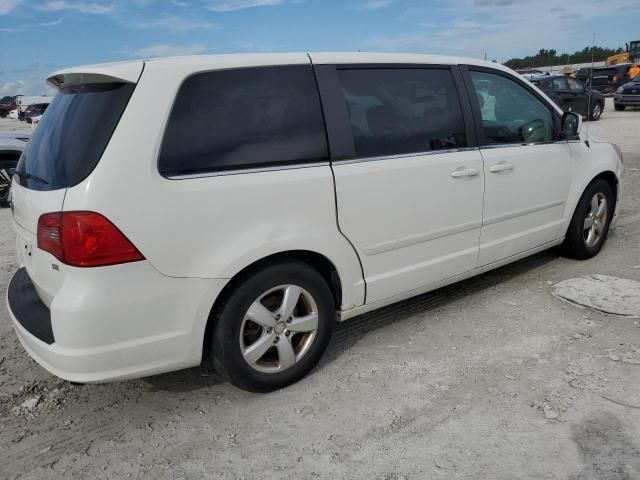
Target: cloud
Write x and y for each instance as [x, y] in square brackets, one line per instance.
[375, 4]
[77, 6]
[484, 3]
[164, 50]
[501, 28]
[52, 23]
[232, 5]
[7, 6]
[26, 26]
[16, 87]
[32, 83]
[174, 23]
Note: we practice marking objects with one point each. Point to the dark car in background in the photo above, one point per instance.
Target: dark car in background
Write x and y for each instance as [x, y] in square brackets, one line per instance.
[6, 105]
[571, 94]
[606, 79]
[627, 95]
[34, 111]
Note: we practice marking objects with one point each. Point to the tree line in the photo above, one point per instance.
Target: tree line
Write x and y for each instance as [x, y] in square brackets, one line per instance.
[550, 57]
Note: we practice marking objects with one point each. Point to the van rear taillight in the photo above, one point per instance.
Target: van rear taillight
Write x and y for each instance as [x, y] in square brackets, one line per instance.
[617, 78]
[84, 239]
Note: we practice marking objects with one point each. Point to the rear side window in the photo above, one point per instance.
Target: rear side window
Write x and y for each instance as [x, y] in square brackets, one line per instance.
[72, 135]
[244, 118]
[401, 111]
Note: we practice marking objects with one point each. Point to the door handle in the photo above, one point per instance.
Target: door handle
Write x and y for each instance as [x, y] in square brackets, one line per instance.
[501, 167]
[465, 172]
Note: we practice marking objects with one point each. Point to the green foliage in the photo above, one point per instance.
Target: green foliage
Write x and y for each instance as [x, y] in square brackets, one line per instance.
[550, 57]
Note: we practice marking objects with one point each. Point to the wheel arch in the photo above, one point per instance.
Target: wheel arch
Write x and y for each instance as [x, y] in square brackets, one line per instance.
[317, 261]
[612, 179]
[606, 174]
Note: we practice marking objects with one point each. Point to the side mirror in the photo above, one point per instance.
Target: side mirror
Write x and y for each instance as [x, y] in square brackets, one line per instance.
[571, 125]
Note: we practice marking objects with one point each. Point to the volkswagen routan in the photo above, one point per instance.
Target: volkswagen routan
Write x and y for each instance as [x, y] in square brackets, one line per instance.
[232, 208]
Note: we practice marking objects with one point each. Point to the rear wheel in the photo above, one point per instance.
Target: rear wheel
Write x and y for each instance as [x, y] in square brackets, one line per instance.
[589, 226]
[273, 329]
[7, 169]
[596, 111]
[619, 108]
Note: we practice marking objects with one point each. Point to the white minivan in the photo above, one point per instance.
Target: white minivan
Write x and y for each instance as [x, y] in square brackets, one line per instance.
[233, 207]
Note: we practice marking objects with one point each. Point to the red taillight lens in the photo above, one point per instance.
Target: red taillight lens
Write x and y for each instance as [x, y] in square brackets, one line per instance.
[84, 239]
[616, 78]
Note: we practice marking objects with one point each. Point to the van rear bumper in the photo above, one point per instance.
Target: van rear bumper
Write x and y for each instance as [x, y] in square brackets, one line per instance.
[150, 324]
[27, 307]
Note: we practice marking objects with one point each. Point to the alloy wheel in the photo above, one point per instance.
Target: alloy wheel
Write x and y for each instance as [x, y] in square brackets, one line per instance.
[278, 328]
[5, 183]
[596, 220]
[596, 111]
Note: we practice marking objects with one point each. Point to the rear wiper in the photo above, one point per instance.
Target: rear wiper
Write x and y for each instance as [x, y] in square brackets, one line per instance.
[32, 177]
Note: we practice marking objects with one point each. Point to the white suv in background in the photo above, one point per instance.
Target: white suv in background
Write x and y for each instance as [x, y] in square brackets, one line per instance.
[238, 205]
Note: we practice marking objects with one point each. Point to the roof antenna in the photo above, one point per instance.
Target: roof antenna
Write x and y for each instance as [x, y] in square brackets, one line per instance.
[593, 50]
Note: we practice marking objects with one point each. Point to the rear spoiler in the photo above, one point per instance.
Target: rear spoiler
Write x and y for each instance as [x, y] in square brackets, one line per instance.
[125, 72]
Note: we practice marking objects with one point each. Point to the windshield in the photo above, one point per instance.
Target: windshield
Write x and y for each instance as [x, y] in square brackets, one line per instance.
[72, 135]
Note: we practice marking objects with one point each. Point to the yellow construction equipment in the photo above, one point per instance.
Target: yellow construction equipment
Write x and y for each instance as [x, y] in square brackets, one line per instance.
[631, 55]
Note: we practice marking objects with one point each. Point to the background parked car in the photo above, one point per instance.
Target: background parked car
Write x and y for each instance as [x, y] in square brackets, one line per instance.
[34, 111]
[35, 121]
[607, 79]
[7, 104]
[11, 146]
[571, 94]
[628, 95]
[24, 102]
[530, 73]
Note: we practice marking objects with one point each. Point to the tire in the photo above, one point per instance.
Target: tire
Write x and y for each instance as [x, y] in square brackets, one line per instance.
[584, 239]
[596, 111]
[236, 335]
[619, 108]
[7, 167]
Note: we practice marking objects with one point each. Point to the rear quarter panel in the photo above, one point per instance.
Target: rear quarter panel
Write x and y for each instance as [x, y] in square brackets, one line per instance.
[210, 227]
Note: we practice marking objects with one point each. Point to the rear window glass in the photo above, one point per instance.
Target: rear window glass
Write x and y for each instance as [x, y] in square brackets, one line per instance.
[244, 118]
[72, 135]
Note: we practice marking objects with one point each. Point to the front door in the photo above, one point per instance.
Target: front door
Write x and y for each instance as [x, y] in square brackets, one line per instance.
[410, 199]
[527, 172]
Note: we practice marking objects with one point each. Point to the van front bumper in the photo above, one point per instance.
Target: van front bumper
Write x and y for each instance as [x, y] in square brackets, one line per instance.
[98, 331]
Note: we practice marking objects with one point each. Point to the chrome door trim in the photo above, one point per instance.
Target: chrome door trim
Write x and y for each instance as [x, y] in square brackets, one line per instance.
[247, 171]
[403, 155]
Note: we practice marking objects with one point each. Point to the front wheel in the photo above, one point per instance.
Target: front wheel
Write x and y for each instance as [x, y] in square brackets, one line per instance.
[273, 329]
[589, 226]
[7, 169]
[596, 111]
[619, 108]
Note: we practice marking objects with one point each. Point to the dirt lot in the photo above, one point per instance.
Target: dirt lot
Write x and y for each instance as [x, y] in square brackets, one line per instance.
[492, 378]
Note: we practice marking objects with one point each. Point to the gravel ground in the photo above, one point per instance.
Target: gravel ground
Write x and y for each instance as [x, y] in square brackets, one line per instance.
[491, 378]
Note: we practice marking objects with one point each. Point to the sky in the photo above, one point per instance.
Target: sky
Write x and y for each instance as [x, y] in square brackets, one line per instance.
[38, 37]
